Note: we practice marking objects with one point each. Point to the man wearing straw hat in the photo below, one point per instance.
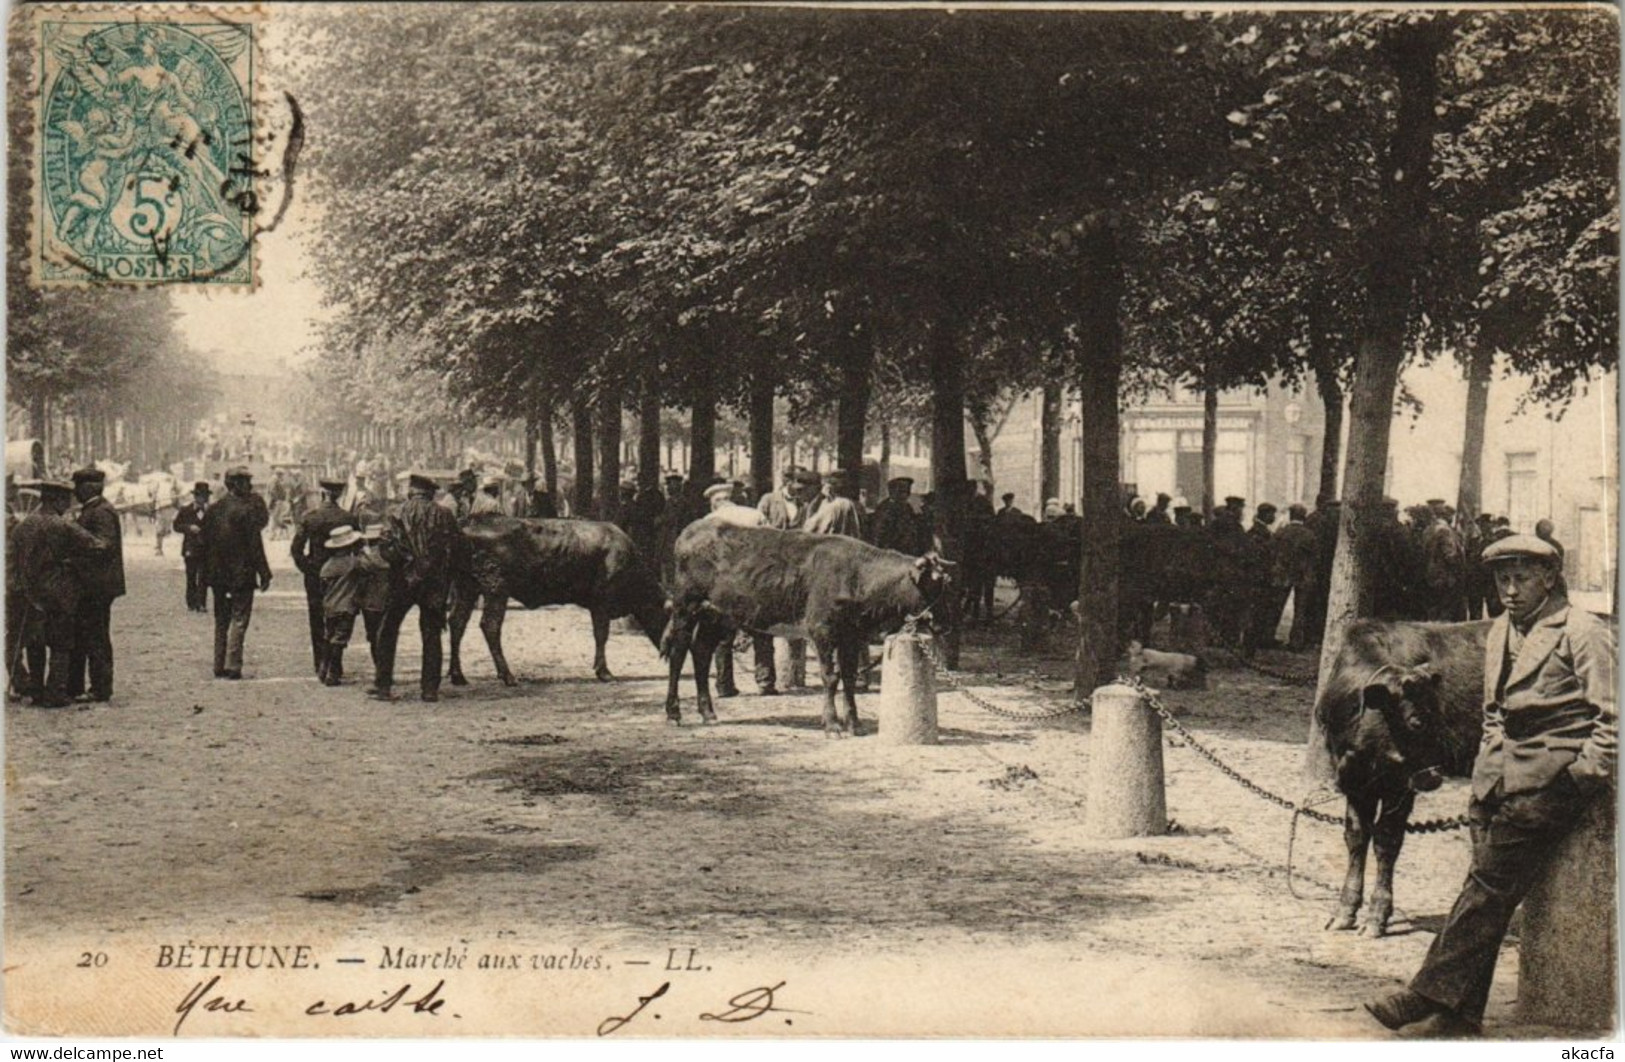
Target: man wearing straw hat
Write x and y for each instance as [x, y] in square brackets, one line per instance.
[345, 575]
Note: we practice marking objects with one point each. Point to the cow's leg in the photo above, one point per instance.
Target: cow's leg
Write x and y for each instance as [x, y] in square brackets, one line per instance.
[676, 641]
[462, 608]
[847, 651]
[600, 638]
[493, 608]
[707, 633]
[1387, 837]
[827, 672]
[1358, 816]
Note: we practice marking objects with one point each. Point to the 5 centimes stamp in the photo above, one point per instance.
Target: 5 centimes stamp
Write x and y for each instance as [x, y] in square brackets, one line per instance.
[146, 169]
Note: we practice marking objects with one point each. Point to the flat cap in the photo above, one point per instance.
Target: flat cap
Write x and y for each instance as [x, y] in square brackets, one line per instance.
[1519, 547]
[839, 475]
[1436, 502]
[89, 475]
[419, 481]
[48, 487]
[719, 490]
[239, 472]
[900, 481]
[808, 477]
[1267, 507]
[1233, 502]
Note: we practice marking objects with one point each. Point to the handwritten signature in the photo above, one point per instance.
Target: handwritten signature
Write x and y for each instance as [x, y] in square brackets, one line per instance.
[204, 996]
[748, 1005]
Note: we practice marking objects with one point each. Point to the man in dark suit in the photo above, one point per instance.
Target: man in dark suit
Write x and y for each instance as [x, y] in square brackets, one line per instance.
[189, 525]
[44, 554]
[101, 582]
[234, 558]
[1549, 750]
[430, 532]
[1292, 574]
[310, 553]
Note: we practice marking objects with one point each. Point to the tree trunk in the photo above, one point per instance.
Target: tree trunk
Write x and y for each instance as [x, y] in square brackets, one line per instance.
[1049, 457]
[609, 455]
[1099, 384]
[1470, 494]
[1397, 250]
[39, 418]
[581, 499]
[550, 450]
[885, 453]
[948, 480]
[852, 415]
[530, 445]
[984, 444]
[702, 435]
[1210, 443]
[1329, 384]
[761, 432]
[649, 439]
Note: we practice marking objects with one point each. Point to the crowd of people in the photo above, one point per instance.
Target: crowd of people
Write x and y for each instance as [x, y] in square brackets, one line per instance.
[394, 556]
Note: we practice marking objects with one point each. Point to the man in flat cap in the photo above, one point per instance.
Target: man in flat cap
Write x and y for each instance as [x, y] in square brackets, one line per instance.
[309, 549]
[234, 555]
[489, 498]
[896, 525]
[101, 582]
[45, 555]
[1549, 749]
[189, 525]
[429, 532]
[837, 513]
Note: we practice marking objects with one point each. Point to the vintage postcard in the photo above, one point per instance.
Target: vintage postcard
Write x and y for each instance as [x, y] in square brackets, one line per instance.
[623, 521]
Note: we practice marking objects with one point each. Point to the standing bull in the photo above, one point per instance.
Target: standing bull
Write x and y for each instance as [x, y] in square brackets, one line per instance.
[1403, 709]
[839, 592]
[550, 562]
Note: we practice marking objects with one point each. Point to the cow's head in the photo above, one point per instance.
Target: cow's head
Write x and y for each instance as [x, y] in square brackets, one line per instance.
[932, 577]
[1402, 723]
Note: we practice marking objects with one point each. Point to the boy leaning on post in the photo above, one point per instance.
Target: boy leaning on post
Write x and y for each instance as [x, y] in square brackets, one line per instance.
[1548, 752]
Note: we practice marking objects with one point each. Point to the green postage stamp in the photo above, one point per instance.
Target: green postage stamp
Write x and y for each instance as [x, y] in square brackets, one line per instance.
[145, 168]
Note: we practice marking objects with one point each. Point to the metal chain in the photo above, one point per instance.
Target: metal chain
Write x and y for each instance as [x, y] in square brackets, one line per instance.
[1427, 826]
[953, 683]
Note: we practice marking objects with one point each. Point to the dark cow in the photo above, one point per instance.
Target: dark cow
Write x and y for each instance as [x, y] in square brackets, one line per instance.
[1403, 709]
[1019, 548]
[839, 592]
[550, 562]
[1161, 565]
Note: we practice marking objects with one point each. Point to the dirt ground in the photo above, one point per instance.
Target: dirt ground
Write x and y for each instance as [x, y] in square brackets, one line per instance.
[946, 890]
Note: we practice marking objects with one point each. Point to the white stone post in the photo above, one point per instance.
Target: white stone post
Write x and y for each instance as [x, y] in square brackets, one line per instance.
[1125, 797]
[908, 693]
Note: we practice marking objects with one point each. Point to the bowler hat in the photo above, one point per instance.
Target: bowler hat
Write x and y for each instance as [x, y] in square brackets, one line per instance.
[419, 481]
[89, 475]
[343, 535]
[1519, 547]
[337, 486]
[1266, 507]
[201, 487]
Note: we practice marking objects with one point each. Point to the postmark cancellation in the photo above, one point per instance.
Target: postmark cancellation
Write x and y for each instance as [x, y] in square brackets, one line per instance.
[145, 168]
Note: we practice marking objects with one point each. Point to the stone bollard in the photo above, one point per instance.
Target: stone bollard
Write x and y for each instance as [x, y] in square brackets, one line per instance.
[1566, 949]
[908, 693]
[1125, 766]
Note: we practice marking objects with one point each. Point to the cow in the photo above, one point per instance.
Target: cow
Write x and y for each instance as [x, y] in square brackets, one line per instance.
[1017, 547]
[1402, 709]
[839, 592]
[550, 562]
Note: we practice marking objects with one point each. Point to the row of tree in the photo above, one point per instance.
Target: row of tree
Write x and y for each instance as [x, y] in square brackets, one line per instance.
[545, 211]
